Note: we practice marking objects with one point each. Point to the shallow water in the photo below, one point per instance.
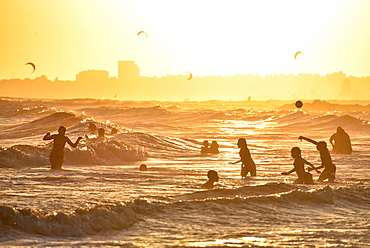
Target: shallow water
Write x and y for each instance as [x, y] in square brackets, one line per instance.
[102, 199]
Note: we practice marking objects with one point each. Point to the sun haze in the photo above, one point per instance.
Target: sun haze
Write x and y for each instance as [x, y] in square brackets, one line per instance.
[222, 38]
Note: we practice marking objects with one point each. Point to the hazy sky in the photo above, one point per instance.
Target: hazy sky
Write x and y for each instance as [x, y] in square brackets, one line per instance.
[205, 37]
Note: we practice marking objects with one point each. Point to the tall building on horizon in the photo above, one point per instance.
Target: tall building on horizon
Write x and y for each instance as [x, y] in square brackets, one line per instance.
[128, 70]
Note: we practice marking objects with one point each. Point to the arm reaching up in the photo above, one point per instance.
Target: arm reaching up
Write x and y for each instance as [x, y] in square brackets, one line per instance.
[308, 139]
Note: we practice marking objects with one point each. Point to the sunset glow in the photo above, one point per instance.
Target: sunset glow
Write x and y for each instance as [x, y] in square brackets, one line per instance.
[204, 37]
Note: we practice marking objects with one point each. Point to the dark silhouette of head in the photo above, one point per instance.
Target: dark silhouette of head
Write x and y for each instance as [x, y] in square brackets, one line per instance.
[101, 132]
[321, 146]
[340, 130]
[242, 143]
[212, 176]
[62, 130]
[205, 143]
[92, 127]
[113, 131]
[296, 152]
[143, 167]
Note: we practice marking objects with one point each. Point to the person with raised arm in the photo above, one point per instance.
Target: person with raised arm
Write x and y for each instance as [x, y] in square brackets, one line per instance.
[326, 162]
[57, 153]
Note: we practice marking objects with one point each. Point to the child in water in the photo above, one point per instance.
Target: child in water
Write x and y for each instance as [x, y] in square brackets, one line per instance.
[326, 162]
[212, 177]
[248, 165]
[205, 147]
[214, 147]
[299, 162]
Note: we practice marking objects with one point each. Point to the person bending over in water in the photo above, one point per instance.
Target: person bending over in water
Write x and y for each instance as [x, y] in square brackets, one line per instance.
[299, 162]
[212, 177]
[248, 164]
[326, 162]
[341, 142]
[57, 153]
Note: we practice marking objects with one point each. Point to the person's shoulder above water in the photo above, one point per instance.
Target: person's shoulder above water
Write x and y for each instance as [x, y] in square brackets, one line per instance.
[212, 178]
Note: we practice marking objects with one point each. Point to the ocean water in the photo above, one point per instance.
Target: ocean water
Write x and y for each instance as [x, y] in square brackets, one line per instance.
[102, 199]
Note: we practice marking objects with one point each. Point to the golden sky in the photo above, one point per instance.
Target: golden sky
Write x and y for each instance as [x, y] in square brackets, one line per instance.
[206, 37]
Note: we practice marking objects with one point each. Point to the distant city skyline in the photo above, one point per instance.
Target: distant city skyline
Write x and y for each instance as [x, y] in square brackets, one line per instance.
[131, 86]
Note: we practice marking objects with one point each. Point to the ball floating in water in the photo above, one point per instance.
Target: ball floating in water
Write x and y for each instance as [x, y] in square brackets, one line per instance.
[299, 104]
[143, 167]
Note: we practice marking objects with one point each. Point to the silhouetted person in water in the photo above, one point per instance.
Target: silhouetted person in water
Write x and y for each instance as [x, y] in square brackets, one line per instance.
[113, 131]
[101, 132]
[92, 128]
[57, 153]
[212, 177]
[248, 165]
[326, 162]
[341, 142]
[143, 167]
[205, 147]
[299, 162]
[214, 147]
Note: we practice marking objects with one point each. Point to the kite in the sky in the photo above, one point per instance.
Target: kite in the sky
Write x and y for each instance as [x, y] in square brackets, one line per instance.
[296, 54]
[33, 66]
[190, 76]
[143, 32]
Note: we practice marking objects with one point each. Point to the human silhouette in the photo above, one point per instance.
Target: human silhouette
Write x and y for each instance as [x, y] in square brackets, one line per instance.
[341, 142]
[205, 147]
[113, 131]
[299, 162]
[57, 153]
[326, 162]
[92, 128]
[101, 132]
[248, 165]
[143, 167]
[214, 147]
[212, 177]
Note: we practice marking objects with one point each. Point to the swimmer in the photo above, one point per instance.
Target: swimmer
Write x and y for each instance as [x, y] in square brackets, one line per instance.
[248, 165]
[326, 162]
[205, 147]
[57, 153]
[214, 147]
[212, 177]
[113, 131]
[92, 128]
[101, 132]
[143, 167]
[299, 162]
[341, 142]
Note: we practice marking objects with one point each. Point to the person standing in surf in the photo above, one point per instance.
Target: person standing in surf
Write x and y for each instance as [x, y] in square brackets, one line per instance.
[248, 165]
[57, 153]
[326, 162]
[341, 142]
[299, 162]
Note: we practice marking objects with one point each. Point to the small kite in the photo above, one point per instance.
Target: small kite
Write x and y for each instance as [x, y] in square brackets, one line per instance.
[33, 66]
[190, 76]
[296, 54]
[143, 32]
